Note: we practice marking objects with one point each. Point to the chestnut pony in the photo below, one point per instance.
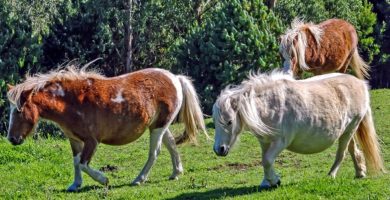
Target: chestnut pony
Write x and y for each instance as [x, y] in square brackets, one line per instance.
[322, 48]
[93, 109]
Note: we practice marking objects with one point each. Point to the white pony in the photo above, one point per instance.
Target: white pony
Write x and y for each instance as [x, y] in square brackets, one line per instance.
[303, 116]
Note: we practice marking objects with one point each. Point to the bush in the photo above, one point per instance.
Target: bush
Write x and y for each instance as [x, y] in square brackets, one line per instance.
[239, 36]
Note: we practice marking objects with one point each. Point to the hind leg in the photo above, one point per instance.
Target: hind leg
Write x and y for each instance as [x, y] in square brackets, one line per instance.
[340, 154]
[90, 145]
[169, 142]
[357, 158]
[345, 64]
[156, 136]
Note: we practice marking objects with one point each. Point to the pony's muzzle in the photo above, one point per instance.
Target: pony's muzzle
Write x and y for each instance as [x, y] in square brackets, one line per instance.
[16, 140]
[222, 150]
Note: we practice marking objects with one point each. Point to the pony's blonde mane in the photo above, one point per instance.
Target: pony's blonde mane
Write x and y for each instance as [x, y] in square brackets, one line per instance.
[243, 97]
[296, 31]
[38, 81]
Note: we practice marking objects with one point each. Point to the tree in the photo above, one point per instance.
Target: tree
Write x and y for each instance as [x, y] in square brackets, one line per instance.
[21, 34]
[380, 74]
[239, 36]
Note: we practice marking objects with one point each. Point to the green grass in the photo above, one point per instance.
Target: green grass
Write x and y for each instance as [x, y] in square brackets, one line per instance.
[42, 169]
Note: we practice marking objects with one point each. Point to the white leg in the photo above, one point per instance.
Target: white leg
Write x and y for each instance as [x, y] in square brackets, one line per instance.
[169, 142]
[270, 152]
[340, 154]
[78, 180]
[95, 174]
[357, 158]
[89, 149]
[156, 136]
[76, 146]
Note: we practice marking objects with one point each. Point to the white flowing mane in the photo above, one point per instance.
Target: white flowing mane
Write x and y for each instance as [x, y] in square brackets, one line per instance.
[287, 40]
[38, 81]
[243, 96]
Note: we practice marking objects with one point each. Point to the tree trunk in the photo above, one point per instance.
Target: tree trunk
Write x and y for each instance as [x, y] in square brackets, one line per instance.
[271, 4]
[129, 37]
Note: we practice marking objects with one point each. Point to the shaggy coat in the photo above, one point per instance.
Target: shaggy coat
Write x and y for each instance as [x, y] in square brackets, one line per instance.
[303, 116]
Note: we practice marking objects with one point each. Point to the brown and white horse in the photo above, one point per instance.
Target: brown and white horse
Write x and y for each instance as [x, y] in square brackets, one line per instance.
[93, 109]
[322, 48]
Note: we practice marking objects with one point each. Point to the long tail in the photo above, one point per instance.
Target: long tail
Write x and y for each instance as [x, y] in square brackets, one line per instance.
[368, 141]
[359, 67]
[190, 113]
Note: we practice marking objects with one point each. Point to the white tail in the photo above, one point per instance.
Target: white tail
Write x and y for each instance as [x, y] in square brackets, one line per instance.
[190, 112]
[368, 141]
[359, 67]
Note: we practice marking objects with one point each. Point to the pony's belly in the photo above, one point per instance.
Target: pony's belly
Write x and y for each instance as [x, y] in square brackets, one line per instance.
[122, 134]
[121, 138]
[310, 145]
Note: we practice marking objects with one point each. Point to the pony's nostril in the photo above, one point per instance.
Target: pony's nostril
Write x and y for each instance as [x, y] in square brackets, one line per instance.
[15, 140]
[222, 149]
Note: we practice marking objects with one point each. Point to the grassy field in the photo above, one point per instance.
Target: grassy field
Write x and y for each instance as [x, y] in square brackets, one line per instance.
[42, 169]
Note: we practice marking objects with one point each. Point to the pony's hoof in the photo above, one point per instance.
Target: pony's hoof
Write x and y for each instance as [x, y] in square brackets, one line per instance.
[175, 175]
[135, 183]
[269, 187]
[173, 178]
[363, 175]
[103, 180]
[138, 181]
[73, 188]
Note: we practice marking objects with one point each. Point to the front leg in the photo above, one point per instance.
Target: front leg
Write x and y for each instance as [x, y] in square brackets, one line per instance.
[86, 155]
[77, 147]
[269, 152]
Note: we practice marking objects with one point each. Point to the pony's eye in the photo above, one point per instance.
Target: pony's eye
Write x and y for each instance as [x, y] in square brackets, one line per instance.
[229, 122]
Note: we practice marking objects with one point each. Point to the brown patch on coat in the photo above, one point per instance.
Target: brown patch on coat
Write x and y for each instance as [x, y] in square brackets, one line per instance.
[338, 41]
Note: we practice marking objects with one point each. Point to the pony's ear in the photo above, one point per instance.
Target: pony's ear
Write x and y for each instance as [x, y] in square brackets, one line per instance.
[234, 104]
[26, 95]
[10, 87]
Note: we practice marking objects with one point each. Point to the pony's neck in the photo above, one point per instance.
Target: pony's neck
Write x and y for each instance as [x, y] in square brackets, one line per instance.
[53, 102]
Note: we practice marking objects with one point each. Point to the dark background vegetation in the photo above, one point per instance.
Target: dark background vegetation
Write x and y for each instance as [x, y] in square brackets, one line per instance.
[216, 42]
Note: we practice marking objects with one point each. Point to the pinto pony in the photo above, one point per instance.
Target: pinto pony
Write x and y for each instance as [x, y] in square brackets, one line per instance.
[322, 48]
[303, 116]
[93, 109]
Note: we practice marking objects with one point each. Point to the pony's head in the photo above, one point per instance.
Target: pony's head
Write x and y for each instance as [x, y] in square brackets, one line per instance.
[239, 107]
[24, 116]
[227, 125]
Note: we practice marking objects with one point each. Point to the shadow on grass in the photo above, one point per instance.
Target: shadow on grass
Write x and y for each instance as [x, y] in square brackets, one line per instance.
[218, 193]
[94, 187]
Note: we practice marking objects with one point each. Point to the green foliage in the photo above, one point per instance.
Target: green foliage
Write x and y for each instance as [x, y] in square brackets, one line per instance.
[23, 25]
[357, 12]
[86, 30]
[239, 36]
[90, 29]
